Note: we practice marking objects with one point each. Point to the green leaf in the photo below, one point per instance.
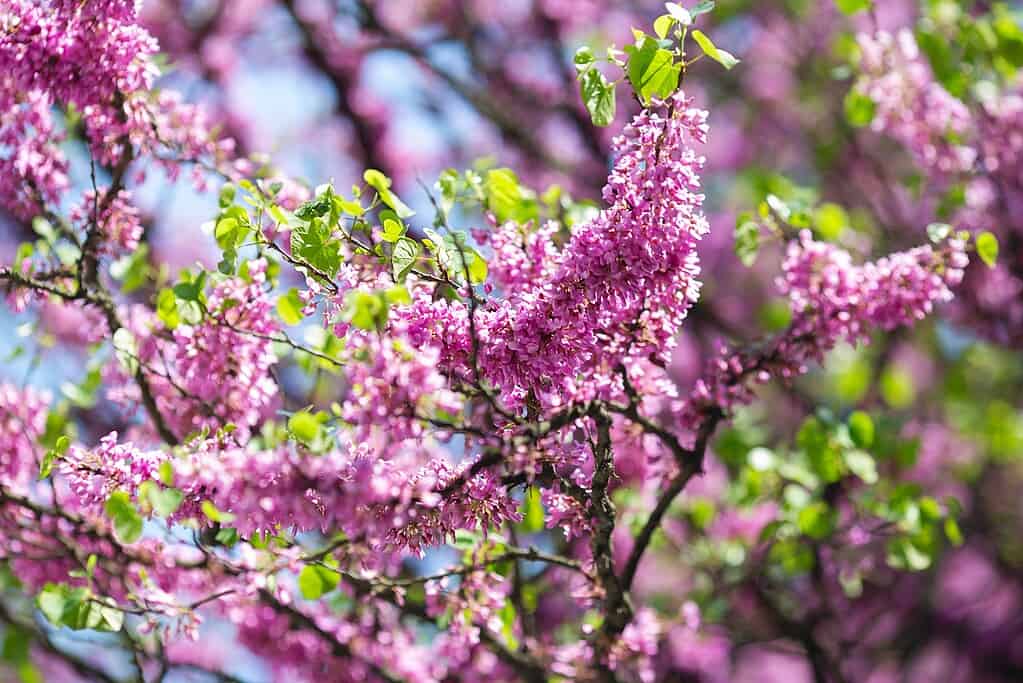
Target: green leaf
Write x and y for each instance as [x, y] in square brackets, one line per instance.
[861, 429]
[903, 553]
[853, 6]
[393, 230]
[830, 220]
[304, 426]
[314, 243]
[775, 315]
[132, 270]
[466, 540]
[817, 520]
[77, 609]
[16, 644]
[290, 306]
[502, 188]
[702, 512]
[226, 195]
[815, 441]
[167, 473]
[190, 289]
[725, 59]
[598, 96]
[319, 206]
[859, 109]
[52, 601]
[365, 310]
[403, 258]
[663, 24]
[52, 455]
[583, 58]
[793, 557]
[167, 309]
[214, 514]
[747, 239]
[227, 537]
[953, 532]
[314, 581]
[477, 266]
[532, 513]
[397, 295]
[233, 227]
[640, 56]
[987, 248]
[113, 618]
[779, 206]
[897, 387]
[456, 257]
[382, 184]
[165, 501]
[702, 7]
[652, 70]
[126, 519]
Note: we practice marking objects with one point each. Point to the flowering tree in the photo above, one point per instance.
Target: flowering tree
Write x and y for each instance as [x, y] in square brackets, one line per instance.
[479, 428]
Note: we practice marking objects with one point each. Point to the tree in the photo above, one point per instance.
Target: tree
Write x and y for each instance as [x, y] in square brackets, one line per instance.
[483, 429]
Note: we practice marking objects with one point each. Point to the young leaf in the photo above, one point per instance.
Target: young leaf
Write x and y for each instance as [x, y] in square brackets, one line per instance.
[859, 109]
[817, 520]
[501, 186]
[126, 519]
[987, 248]
[533, 515]
[861, 429]
[165, 501]
[382, 184]
[364, 310]
[584, 58]
[214, 514]
[313, 242]
[663, 24]
[853, 6]
[289, 307]
[702, 7]
[59, 449]
[725, 59]
[393, 230]
[403, 258]
[314, 581]
[747, 240]
[652, 70]
[598, 96]
[304, 426]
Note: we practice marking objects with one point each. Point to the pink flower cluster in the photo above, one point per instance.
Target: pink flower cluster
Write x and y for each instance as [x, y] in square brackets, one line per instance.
[620, 287]
[22, 421]
[95, 60]
[95, 473]
[116, 217]
[910, 106]
[393, 387]
[197, 384]
[521, 256]
[83, 53]
[391, 505]
[33, 169]
[832, 300]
